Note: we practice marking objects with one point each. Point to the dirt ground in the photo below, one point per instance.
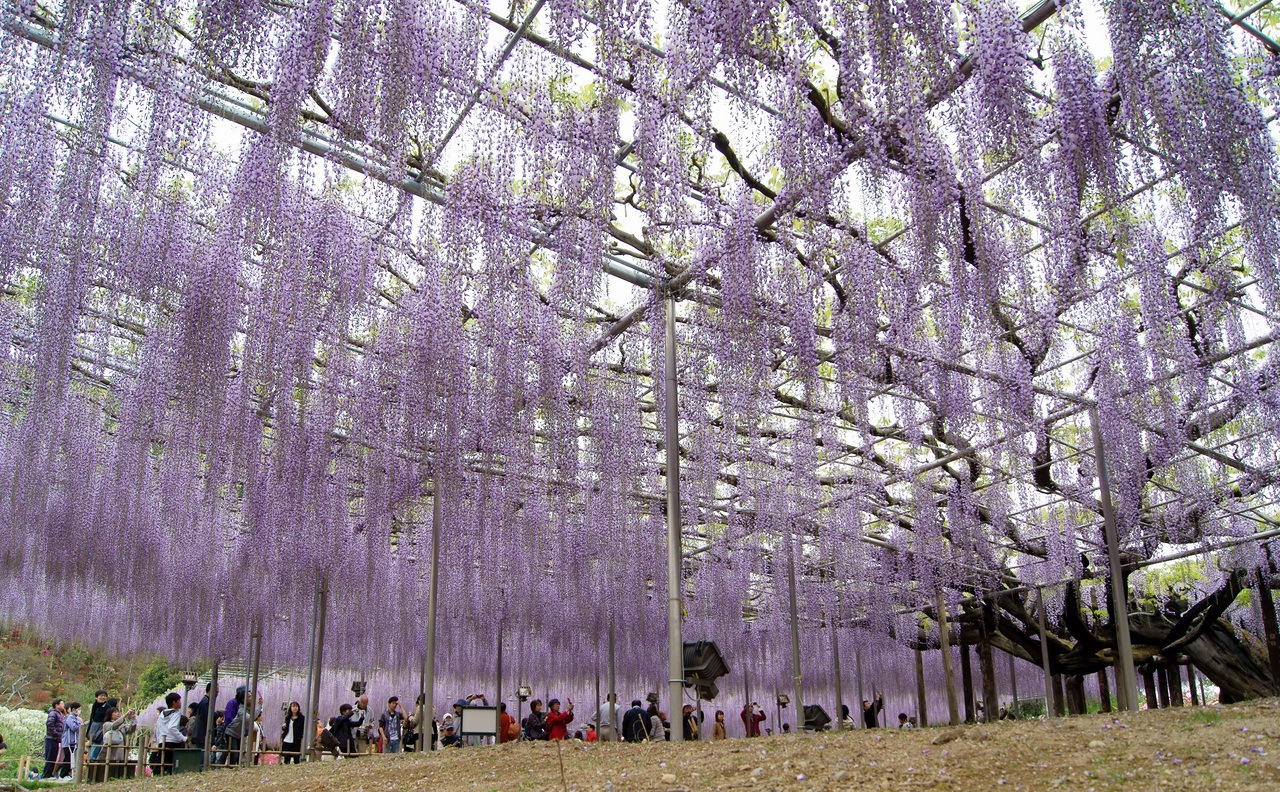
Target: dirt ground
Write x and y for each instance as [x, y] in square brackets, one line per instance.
[1227, 748]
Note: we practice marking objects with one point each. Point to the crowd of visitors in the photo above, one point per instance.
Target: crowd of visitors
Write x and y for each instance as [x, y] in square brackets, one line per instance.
[235, 734]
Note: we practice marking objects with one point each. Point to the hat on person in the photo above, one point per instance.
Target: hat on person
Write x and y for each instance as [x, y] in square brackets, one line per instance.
[460, 703]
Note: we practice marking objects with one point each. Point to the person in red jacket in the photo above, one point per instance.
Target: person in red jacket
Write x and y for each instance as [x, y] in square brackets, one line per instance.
[752, 717]
[558, 722]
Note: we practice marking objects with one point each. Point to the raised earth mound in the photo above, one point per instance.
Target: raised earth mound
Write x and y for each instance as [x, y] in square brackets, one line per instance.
[1227, 748]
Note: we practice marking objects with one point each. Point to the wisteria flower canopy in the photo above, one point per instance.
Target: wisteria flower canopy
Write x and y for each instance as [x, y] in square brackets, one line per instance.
[278, 274]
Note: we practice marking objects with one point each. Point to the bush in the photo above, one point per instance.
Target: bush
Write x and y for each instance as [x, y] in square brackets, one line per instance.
[157, 679]
[23, 731]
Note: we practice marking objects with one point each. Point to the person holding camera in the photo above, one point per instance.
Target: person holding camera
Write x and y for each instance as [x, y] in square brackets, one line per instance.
[752, 717]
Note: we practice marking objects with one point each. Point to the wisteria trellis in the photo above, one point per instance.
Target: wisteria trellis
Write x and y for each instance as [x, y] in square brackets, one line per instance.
[912, 240]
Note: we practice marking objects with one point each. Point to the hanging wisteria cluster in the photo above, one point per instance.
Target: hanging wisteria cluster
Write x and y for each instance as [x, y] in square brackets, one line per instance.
[277, 275]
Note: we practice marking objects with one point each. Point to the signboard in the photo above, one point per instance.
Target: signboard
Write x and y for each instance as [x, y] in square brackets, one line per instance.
[479, 721]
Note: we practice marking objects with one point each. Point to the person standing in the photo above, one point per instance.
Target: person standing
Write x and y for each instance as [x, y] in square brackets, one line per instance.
[169, 734]
[116, 727]
[97, 719]
[635, 723]
[391, 726]
[689, 724]
[657, 723]
[535, 727]
[717, 728]
[70, 741]
[557, 721]
[337, 736]
[55, 725]
[199, 723]
[752, 717]
[230, 735]
[608, 719]
[507, 729]
[846, 719]
[292, 732]
[361, 723]
[871, 711]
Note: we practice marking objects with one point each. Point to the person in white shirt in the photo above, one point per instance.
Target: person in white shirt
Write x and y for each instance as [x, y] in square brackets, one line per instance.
[169, 733]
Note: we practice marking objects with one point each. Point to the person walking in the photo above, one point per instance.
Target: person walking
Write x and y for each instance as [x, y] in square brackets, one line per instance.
[391, 726]
[536, 724]
[752, 717]
[169, 734]
[635, 723]
[558, 722]
[292, 733]
[717, 728]
[608, 719]
[55, 725]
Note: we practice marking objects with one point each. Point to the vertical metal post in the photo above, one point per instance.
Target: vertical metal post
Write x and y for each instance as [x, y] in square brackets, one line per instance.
[835, 661]
[948, 672]
[1044, 655]
[613, 690]
[675, 561]
[251, 700]
[1013, 683]
[922, 703]
[208, 727]
[860, 721]
[311, 667]
[498, 698]
[437, 516]
[1125, 681]
[314, 703]
[425, 721]
[795, 628]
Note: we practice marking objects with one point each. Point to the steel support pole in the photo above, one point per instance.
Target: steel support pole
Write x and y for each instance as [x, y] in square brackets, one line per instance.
[1013, 683]
[311, 669]
[675, 569]
[860, 721]
[498, 697]
[948, 670]
[437, 516]
[251, 700]
[793, 608]
[835, 661]
[208, 727]
[613, 690]
[1044, 654]
[1126, 684]
[315, 691]
[424, 734]
[922, 704]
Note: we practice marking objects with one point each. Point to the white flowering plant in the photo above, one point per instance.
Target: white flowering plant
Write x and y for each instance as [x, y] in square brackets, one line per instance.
[23, 731]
